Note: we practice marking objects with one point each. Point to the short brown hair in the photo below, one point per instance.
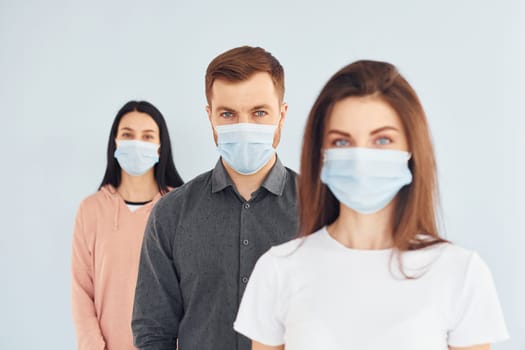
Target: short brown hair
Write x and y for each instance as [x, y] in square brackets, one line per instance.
[241, 63]
[415, 210]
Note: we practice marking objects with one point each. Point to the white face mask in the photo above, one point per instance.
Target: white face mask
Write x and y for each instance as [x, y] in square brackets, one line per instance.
[365, 179]
[136, 157]
[246, 147]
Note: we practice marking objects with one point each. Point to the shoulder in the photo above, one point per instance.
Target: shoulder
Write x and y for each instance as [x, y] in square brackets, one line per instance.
[457, 262]
[275, 259]
[472, 266]
[291, 173]
[475, 315]
[174, 203]
[284, 249]
[291, 177]
[299, 247]
[462, 260]
[98, 199]
[288, 261]
[91, 209]
[456, 256]
[185, 191]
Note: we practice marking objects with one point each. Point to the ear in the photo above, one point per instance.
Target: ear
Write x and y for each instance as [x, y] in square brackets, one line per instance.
[284, 110]
[208, 110]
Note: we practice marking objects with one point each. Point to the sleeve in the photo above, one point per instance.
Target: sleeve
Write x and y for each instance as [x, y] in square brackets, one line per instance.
[158, 307]
[258, 317]
[477, 317]
[89, 335]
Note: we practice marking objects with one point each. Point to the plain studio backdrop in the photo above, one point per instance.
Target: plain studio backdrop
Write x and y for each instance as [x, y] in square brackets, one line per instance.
[66, 67]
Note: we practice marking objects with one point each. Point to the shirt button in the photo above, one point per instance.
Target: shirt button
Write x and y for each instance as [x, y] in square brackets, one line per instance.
[245, 242]
[245, 280]
[246, 205]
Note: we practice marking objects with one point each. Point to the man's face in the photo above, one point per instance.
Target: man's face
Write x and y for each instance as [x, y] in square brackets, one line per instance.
[254, 100]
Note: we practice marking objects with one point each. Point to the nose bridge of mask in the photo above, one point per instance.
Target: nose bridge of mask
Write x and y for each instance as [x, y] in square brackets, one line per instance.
[245, 133]
[136, 145]
[365, 161]
[360, 153]
[362, 163]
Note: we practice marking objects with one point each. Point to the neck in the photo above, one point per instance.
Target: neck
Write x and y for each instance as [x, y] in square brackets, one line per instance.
[247, 184]
[138, 188]
[363, 231]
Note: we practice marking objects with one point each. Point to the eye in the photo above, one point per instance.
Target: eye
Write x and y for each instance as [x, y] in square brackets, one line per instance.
[148, 137]
[260, 113]
[383, 141]
[226, 115]
[126, 135]
[340, 143]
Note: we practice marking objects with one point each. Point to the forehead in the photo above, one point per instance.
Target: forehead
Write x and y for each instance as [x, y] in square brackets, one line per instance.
[138, 121]
[258, 89]
[355, 114]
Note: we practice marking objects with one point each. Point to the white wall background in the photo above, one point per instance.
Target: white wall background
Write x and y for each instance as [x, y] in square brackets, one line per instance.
[66, 67]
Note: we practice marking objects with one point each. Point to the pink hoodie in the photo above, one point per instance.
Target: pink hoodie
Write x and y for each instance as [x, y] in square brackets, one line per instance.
[106, 249]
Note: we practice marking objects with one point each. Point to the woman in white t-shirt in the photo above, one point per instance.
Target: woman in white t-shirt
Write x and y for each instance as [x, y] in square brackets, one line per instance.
[370, 270]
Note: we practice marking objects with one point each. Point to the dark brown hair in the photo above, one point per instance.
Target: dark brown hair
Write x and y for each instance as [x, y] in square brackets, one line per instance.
[241, 63]
[166, 174]
[415, 207]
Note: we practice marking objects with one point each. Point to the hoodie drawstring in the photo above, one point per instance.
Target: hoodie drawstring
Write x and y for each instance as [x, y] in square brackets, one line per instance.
[116, 200]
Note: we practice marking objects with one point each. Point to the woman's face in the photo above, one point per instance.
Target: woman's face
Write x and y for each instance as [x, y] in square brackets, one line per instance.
[138, 126]
[366, 122]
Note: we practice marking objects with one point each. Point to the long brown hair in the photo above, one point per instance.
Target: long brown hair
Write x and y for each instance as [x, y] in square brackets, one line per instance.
[414, 218]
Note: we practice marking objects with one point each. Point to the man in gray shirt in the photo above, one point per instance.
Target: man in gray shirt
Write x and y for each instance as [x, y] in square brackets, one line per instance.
[204, 238]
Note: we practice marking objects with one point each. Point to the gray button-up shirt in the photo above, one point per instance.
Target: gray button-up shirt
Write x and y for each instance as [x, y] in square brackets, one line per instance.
[200, 246]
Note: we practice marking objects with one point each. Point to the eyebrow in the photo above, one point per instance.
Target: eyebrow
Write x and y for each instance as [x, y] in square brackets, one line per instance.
[384, 128]
[263, 106]
[335, 131]
[257, 107]
[224, 108]
[130, 129]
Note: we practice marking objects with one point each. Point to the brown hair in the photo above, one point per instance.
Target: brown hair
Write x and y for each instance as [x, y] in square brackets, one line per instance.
[241, 63]
[415, 207]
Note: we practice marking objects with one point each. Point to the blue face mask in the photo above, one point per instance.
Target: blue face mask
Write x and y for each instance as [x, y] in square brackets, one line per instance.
[246, 147]
[136, 157]
[365, 179]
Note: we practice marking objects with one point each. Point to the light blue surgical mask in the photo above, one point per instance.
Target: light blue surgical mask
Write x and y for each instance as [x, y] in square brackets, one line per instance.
[246, 147]
[365, 179]
[136, 157]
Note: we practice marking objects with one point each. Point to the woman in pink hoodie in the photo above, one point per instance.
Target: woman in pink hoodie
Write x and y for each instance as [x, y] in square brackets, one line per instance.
[110, 224]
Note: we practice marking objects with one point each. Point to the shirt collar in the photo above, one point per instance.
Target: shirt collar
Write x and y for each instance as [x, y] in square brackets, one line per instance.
[274, 181]
[220, 178]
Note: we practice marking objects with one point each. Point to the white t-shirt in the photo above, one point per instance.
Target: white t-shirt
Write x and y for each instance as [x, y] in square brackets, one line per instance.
[315, 293]
[134, 207]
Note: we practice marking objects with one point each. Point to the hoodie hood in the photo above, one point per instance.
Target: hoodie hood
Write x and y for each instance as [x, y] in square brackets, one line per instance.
[110, 193]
